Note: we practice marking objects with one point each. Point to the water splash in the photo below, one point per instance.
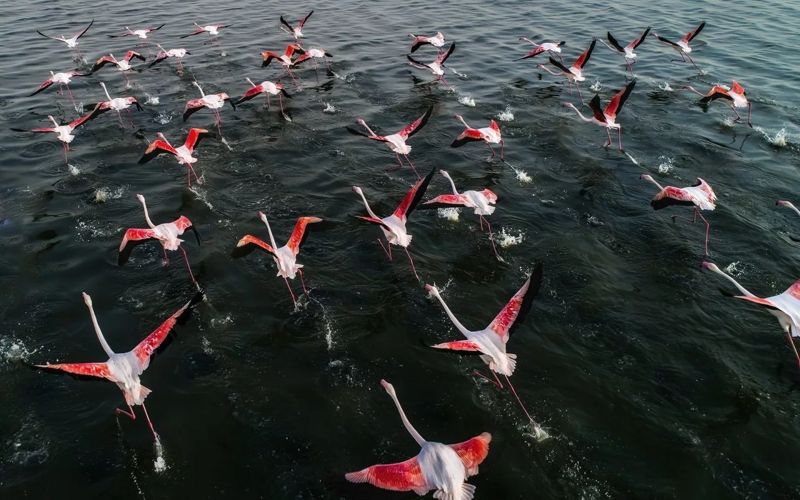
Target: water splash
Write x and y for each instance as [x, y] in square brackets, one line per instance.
[593, 221]
[666, 87]
[164, 117]
[104, 194]
[666, 165]
[732, 268]
[201, 195]
[460, 75]
[466, 100]
[506, 115]
[14, 351]
[522, 176]
[151, 100]
[329, 108]
[537, 432]
[73, 170]
[596, 86]
[506, 239]
[159, 464]
[780, 139]
[450, 213]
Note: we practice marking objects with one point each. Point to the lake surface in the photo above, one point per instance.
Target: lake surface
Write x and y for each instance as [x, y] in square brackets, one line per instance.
[650, 382]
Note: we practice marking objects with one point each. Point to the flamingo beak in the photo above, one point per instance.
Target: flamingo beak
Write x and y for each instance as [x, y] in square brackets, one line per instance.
[709, 265]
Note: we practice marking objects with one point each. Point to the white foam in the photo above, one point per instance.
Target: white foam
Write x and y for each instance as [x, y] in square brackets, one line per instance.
[206, 346]
[103, 194]
[593, 221]
[73, 170]
[201, 194]
[460, 75]
[665, 87]
[467, 100]
[450, 213]
[151, 100]
[159, 464]
[666, 165]
[329, 108]
[506, 115]
[732, 268]
[596, 86]
[780, 139]
[506, 239]
[14, 351]
[538, 433]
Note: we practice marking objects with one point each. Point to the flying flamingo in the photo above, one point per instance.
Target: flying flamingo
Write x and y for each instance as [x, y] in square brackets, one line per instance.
[490, 135]
[141, 34]
[314, 54]
[440, 467]
[437, 66]
[554, 48]
[72, 43]
[183, 153]
[396, 142]
[683, 45]
[285, 60]
[166, 234]
[296, 32]
[491, 342]
[212, 30]
[736, 97]
[63, 132]
[123, 65]
[607, 117]
[60, 79]
[627, 52]
[394, 226]
[574, 72]
[210, 101]
[179, 54]
[125, 368]
[699, 196]
[285, 257]
[268, 88]
[118, 104]
[436, 41]
[785, 306]
[481, 201]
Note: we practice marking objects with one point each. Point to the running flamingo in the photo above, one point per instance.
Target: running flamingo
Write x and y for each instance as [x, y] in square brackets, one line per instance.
[440, 467]
[123, 65]
[179, 54]
[72, 43]
[118, 104]
[683, 45]
[211, 101]
[491, 342]
[607, 117]
[296, 32]
[183, 153]
[554, 48]
[736, 97]
[437, 66]
[574, 72]
[125, 368]
[285, 257]
[490, 135]
[64, 132]
[60, 79]
[785, 306]
[481, 201]
[627, 52]
[212, 30]
[699, 196]
[141, 34]
[314, 54]
[285, 60]
[436, 41]
[166, 234]
[268, 88]
[394, 226]
[396, 142]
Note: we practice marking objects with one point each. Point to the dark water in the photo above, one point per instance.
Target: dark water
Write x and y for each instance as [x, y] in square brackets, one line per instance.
[650, 383]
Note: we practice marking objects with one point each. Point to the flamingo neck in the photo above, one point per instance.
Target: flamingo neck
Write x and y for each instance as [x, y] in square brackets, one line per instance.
[147, 216]
[452, 317]
[689, 87]
[410, 428]
[369, 210]
[202, 94]
[531, 41]
[660, 188]
[100, 337]
[607, 45]
[250, 81]
[736, 283]
[462, 121]
[793, 208]
[579, 113]
[269, 230]
[55, 123]
[368, 129]
[551, 72]
[452, 184]
[105, 90]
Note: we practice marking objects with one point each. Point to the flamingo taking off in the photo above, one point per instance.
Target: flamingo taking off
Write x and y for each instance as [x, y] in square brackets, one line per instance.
[699, 195]
[785, 306]
[440, 467]
[491, 342]
[141, 34]
[575, 72]
[210, 101]
[683, 45]
[178, 54]
[118, 104]
[394, 226]
[268, 88]
[123, 65]
[481, 201]
[183, 153]
[285, 60]
[72, 43]
[735, 96]
[63, 132]
[554, 48]
[607, 117]
[436, 41]
[125, 368]
[437, 66]
[396, 142]
[60, 79]
[490, 135]
[627, 52]
[314, 54]
[166, 234]
[285, 257]
[297, 31]
[212, 30]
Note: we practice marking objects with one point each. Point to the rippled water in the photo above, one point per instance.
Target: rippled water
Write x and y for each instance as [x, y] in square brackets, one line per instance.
[650, 382]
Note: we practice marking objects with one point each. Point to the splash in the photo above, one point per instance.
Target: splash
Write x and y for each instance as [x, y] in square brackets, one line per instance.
[780, 139]
[73, 170]
[466, 100]
[537, 432]
[666, 165]
[506, 239]
[506, 115]
[159, 464]
[522, 176]
[449, 213]
[206, 346]
[728, 122]
[164, 117]
[732, 268]
[460, 75]
[14, 351]
[152, 100]
[201, 195]
[596, 86]
[666, 87]
[593, 221]
[329, 108]
[104, 194]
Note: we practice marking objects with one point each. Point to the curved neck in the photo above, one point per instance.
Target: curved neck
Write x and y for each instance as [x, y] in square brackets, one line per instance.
[105, 90]
[462, 121]
[369, 210]
[452, 317]
[607, 45]
[793, 208]
[146, 215]
[410, 428]
[163, 138]
[100, 337]
[364, 124]
[160, 47]
[580, 114]
[654, 182]
[551, 72]
[689, 87]
[269, 230]
[452, 184]
[199, 88]
[250, 81]
[55, 123]
[736, 283]
[531, 41]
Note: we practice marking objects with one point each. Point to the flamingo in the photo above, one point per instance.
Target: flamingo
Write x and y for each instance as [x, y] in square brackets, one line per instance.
[285, 257]
[554, 48]
[141, 34]
[285, 60]
[125, 368]
[268, 88]
[490, 135]
[64, 132]
[72, 43]
[396, 142]
[436, 41]
[297, 31]
[118, 104]
[735, 96]
[683, 45]
[212, 30]
[314, 54]
[394, 226]
[491, 342]
[574, 72]
[607, 117]
[166, 234]
[60, 79]
[123, 65]
[440, 467]
[627, 52]
[481, 201]
[211, 101]
[699, 196]
[785, 306]
[183, 153]
[437, 66]
[179, 54]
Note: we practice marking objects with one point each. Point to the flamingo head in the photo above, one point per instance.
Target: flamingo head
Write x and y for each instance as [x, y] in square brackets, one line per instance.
[87, 299]
[357, 190]
[458, 117]
[389, 388]
[710, 266]
[782, 203]
[140, 198]
[262, 217]
[646, 177]
[432, 290]
[361, 121]
[278, 86]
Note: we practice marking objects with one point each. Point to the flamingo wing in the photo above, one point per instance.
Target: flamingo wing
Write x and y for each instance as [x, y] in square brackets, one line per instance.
[514, 313]
[94, 113]
[403, 476]
[597, 111]
[473, 452]
[419, 41]
[146, 347]
[459, 345]
[584, 58]
[414, 61]
[133, 54]
[48, 36]
[87, 369]
[248, 239]
[417, 125]
[268, 57]
[303, 21]
[668, 42]
[299, 234]
[615, 106]
[160, 57]
[469, 135]
[305, 57]
[183, 223]
[413, 197]
[156, 148]
[738, 89]
[34, 131]
[43, 86]
[715, 93]
[136, 235]
[251, 94]
[362, 134]
[288, 26]
[442, 58]
[758, 300]
[560, 66]
[535, 52]
[85, 30]
[639, 40]
[614, 43]
[195, 32]
[375, 221]
[128, 33]
[102, 62]
[670, 196]
[445, 200]
[690, 36]
[193, 107]
[155, 29]
[194, 136]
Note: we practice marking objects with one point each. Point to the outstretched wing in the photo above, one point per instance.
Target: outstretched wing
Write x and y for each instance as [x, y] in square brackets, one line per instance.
[87, 369]
[535, 52]
[473, 452]
[251, 94]
[403, 476]
[160, 57]
[639, 40]
[303, 21]
[442, 58]
[615, 106]
[194, 136]
[84, 31]
[413, 197]
[584, 58]
[156, 148]
[417, 125]
[375, 221]
[192, 107]
[133, 54]
[136, 235]
[94, 113]
[715, 93]
[146, 347]
[443, 200]
[195, 32]
[559, 65]
[459, 345]
[43, 86]
[288, 26]
[597, 111]
[183, 223]
[690, 36]
[668, 42]
[248, 240]
[613, 41]
[102, 62]
[299, 233]
[268, 57]
[518, 307]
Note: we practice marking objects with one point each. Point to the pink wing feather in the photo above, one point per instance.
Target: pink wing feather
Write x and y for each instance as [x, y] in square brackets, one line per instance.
[403, 476]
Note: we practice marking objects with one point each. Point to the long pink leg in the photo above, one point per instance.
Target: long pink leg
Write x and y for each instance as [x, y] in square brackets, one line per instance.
[130, 117]
[445, 82]
[387, 252]
[629, 67]
[749, 113]
[569, 86]
[693, 220]
[71, 98]
[222, 51]
[412, 165]
[496, 380]
[326, 63]
[520, 402]
[180, 66]
[122, 125]
[738, 116]
[155, 435]
[290, 291]
[682, 59]
[291, 75]
[166, 259]
[219, 122]
[302, 282]
[502, 149]
[794, 348]
[131, 414]
[490, 149]
[695, 65]
[491, 236]
[619, 138]
[188, 266]
[399, 163]
[66, 148]
[579, 92]
[412, 263]
[190, 167]
[61, 90]
[608, 132]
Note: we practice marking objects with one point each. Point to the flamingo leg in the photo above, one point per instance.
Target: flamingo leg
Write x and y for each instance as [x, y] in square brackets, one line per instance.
[155, 435]
[412, 165]
[693, 220]
[180, 66]
[130, 117]
[222, 51]
[683, 59]
[520, 402]
[619, 138]
[166, 259]
[399, 163]
[61, 90]
[630, 67]
[190, 167]
[219, 122]
[71, 98]
[608, 132]
[491, 236]
[122, 125]
[302, 282]
[389, 251]
[189, 267]
[266, 100]
[445, 82]
[502, 149]
[289, 72]
[290, 291]
[794, 348]
[66, 148]
[131, 415]
[569, 86]
[412, 263]
[490, 149]
[577, 87]
[496, 380]
[695, 65]
[749, 112]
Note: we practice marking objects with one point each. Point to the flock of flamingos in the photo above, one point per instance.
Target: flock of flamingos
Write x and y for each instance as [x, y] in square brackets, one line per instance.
[438, 467]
